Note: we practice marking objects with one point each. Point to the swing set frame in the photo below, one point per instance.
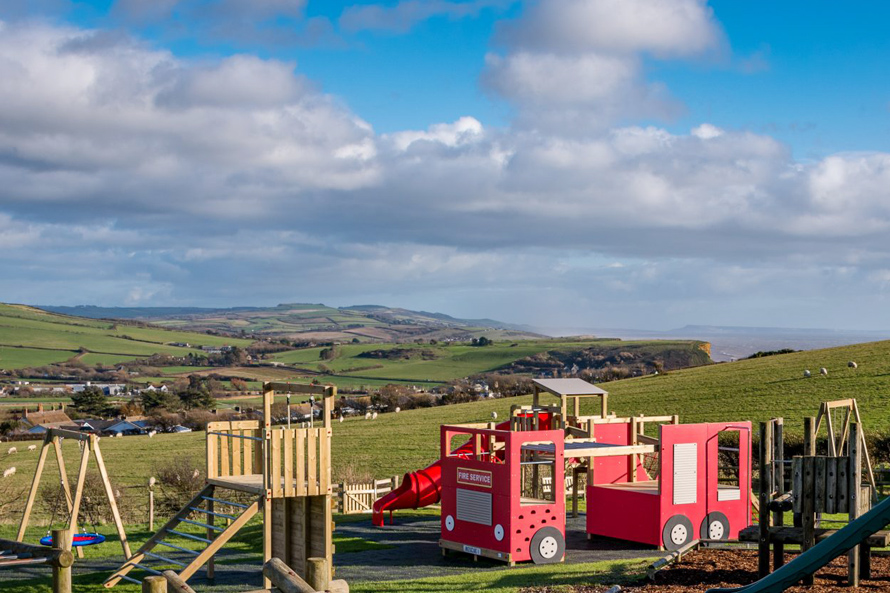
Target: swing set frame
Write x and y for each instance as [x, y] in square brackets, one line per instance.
[89, 444]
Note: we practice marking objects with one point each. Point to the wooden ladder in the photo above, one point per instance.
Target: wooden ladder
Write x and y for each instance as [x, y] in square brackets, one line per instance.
[188, 561]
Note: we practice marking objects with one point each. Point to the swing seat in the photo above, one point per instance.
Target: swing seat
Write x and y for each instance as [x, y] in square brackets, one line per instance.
[80, 539]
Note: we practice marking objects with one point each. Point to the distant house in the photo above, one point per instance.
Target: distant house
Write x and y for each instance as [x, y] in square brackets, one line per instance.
[124, 427]
[39, 422]
[107, 388]
[181, 344]
[94, 425]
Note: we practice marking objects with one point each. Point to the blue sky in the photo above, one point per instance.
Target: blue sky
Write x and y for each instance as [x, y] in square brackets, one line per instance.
[644, 163]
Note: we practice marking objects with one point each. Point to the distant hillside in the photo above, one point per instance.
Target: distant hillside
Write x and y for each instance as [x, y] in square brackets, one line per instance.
[31, 337]
[314, 322]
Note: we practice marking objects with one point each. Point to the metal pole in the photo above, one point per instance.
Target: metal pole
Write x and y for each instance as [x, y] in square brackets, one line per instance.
[287, 397]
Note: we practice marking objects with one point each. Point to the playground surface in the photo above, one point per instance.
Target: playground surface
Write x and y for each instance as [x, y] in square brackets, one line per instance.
[704, 569]
[407, 550]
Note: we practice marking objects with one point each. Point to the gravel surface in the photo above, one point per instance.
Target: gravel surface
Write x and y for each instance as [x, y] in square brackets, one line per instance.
[705, 569]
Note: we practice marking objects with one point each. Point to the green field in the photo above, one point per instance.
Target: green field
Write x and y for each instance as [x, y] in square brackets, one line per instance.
[451, 361]
[30, 337]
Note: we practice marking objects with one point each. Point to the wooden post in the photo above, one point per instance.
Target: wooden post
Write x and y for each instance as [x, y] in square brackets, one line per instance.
[109, 492]
[317, 574]
[154, 584]
[766, 475]
[32, 493]
[808, 510]
[286, 580]
[211, 535]
[63, 478]
[809, 436]
[632, 459]
[855, 494]
[575, 474]
[62, 565]
[151, 504]
[176, 584]
[778, 486]
[78, 491]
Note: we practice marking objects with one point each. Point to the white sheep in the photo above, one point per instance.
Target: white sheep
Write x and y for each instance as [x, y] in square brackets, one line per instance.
[195, 474]
[8, 472]
[374, 416]
[367, 415]
[118, 435]
[341, 418]
[807, 373]
[852, 364]
[11, 451]
[152, 433]
[823, 371]
[398, 409]
[494, 415]
[32, 447]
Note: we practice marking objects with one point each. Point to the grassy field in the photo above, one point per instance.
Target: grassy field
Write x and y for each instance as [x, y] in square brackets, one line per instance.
[447, 361]
[746, 390]
[30, 337]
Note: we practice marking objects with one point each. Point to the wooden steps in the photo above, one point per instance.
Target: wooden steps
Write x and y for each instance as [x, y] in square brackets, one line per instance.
[200, 511]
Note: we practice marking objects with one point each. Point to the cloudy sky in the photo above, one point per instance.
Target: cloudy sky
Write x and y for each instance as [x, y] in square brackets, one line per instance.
[571, 163]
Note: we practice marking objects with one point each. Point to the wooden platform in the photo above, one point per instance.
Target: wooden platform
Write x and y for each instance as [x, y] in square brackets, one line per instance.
[794, 535]
[250, 483]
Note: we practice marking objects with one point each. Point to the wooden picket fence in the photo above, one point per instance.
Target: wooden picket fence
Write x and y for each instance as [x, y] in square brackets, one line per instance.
[354, 498]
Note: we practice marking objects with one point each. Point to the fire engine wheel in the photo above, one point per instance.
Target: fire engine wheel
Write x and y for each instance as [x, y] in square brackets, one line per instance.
[715, 526]
[677, 532]
[547, 546]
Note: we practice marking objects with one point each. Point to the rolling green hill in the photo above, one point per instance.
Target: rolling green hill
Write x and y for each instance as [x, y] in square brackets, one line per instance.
[30, 337]
[315, 322]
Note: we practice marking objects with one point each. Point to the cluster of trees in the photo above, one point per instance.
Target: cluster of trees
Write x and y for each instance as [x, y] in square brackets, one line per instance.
[197, 393]
[481, 341]
[762, 353]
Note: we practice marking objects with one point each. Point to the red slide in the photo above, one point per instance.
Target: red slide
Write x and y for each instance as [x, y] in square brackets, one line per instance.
[420, 488]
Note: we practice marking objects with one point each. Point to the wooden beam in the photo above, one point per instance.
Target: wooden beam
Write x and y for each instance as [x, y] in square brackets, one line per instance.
[35, 483]
[109, 492]
[325, 390]
[78, 491]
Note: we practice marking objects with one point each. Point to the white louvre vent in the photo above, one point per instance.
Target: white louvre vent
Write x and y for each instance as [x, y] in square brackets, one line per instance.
[474, 506]
[685, 473]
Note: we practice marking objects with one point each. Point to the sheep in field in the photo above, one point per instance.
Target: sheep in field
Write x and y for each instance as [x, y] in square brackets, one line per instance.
[852, 364]
[823, 371]
[8, 472]
[11, 451]
[32, 447]
[806, 373]
[367, 415]
[374, 416]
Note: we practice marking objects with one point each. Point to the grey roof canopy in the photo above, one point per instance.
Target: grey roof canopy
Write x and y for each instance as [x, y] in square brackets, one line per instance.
[574, 389]
[560, 387]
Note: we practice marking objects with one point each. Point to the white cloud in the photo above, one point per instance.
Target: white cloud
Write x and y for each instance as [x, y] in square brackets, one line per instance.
[664, 28]
[167, 180]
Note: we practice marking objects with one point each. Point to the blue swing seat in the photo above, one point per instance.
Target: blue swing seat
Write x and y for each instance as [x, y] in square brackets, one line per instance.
[80, 539]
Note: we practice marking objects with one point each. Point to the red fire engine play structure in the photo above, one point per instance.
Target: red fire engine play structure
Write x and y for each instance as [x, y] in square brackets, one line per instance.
[502, 488]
